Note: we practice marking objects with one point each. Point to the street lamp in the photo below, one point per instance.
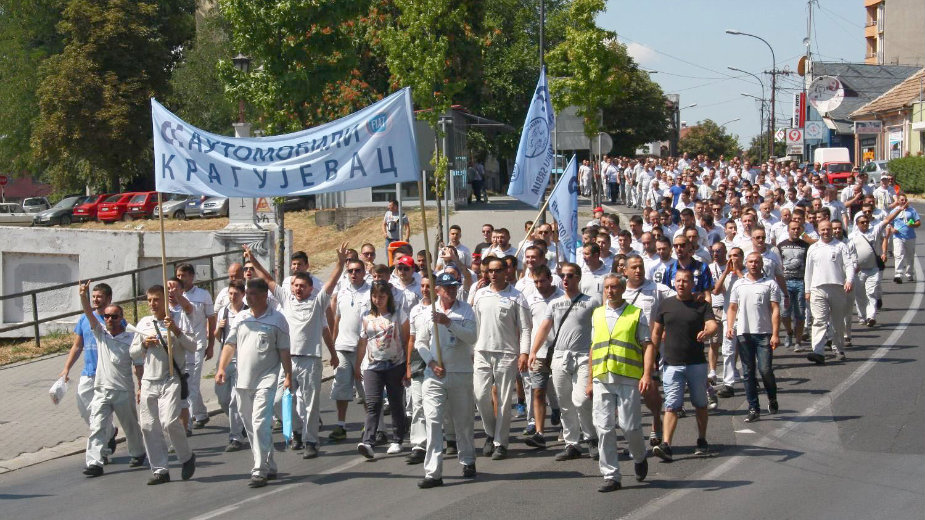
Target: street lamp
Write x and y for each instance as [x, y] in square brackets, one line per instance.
[761, 110]
[773, 84]
[243, 64]
[760, 119]
[730, 121]
[692, 105]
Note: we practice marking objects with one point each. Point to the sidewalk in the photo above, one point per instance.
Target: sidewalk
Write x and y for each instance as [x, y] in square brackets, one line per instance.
[33, 430]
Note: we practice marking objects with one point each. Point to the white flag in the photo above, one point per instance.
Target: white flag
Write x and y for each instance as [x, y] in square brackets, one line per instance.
[563, 204]
[534, 154]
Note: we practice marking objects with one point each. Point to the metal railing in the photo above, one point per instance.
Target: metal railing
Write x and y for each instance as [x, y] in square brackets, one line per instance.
[134, 273]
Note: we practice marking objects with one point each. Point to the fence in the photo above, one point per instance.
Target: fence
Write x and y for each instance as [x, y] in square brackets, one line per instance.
[136, 295]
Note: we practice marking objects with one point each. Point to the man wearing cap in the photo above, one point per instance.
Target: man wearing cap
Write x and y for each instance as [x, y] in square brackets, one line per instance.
[885, 194]
[446, 390]
[597, 214]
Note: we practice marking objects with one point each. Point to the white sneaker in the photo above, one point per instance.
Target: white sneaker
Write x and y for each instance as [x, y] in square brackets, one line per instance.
[394, 448]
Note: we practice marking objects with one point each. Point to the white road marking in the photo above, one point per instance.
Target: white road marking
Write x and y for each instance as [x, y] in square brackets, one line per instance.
[657, 504]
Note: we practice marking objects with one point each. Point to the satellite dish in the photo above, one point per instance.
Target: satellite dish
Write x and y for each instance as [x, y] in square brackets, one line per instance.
[825, 94]
[801, 66]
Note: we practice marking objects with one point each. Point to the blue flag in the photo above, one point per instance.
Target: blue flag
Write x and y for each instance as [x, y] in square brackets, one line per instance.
[534, 154]
[563, 204]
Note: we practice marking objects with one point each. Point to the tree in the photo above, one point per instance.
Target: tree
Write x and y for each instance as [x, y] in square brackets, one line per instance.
[197, 93]
[760, 142]
[709, 139]
[588, 67]
[94, 125]
[304, 60]
[27, 38]
[638, 114]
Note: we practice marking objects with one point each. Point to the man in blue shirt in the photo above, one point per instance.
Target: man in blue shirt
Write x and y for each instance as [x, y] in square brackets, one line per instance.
[904, 239]
[702, 278]
[84, 342]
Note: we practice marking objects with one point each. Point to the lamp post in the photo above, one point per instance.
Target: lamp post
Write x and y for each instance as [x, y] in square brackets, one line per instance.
[760, 120]
[761, 116]
[771, 121]
[730, 121]
[243, 64]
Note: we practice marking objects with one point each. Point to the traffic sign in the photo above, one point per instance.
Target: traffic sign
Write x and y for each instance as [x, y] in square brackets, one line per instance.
[795, 137]
[780, 134]
[814, 130]
[3, 180]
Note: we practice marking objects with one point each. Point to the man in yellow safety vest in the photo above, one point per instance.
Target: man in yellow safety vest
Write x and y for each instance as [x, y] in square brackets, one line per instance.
[619, 340]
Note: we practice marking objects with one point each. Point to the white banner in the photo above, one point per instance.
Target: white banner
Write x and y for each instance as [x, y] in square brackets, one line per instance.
[371, 147]
[534, 154]
[563, 204]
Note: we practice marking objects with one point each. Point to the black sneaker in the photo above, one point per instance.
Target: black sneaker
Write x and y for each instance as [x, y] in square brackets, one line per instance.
[257, 481]
[189, 467]
[428, 483]
[871, 322]
[753, 415]
[530, 430]
[536, 441]
[702, 447]
[338, 433]
[663, 451]
[772, 406]
[500, 453]
[296, 443]
[451, 448]
[681, 413]
[654, 439]
[593, 450]
[311, 451]
[380, 439]
[609, 485]
[642, 469]
[818, 359]
[112, 440]
[897, 279]
[489, 448]
[199, 424]
[469, 471]
[234, 445]
[569, 453]
[555, 417]
[93, 470]
[159, 478]
[416, 456]
[135, 462]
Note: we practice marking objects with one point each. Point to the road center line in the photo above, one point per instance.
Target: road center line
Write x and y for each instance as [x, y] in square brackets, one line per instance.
[658, 503]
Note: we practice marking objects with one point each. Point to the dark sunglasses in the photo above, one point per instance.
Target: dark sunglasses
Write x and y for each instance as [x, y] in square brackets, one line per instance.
[112, 316]
[403, 268]
[351, 271]
[569, 276]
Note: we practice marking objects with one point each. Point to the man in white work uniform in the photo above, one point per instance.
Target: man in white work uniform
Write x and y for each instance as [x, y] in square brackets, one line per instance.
[828, 279]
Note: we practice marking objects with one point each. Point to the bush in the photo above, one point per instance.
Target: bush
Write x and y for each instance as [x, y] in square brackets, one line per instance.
[909, 173]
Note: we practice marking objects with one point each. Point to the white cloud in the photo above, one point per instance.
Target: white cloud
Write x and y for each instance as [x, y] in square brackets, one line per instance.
[642, 54]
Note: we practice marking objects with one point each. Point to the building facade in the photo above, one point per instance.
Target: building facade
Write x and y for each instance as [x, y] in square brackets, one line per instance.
[895, 32]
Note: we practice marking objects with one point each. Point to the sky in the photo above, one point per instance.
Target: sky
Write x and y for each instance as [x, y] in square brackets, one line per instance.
[685, 41]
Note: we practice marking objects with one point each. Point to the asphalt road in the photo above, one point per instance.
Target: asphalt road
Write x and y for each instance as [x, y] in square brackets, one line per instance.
[847, 443]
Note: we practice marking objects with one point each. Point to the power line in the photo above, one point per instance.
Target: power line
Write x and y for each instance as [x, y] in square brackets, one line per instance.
[620, 37]
[833, 13]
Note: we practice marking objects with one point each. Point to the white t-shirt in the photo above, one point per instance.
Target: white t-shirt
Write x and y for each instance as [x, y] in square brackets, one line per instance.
[258, 340]
[306, 319]
[754, 298]
[352, 304]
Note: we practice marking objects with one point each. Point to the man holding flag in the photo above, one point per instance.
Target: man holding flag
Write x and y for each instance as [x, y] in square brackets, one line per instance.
[563, 203]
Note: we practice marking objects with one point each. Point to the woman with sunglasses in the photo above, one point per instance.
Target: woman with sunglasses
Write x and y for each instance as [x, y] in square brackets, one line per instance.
[383, 334]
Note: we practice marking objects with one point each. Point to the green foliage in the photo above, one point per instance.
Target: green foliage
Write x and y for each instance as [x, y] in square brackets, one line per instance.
[197, 93]
[909, 173]
[637, 113]
[760, 143]
[709, 139]
[588, 65]
[27, 37]
[94, 125]
[304, 57]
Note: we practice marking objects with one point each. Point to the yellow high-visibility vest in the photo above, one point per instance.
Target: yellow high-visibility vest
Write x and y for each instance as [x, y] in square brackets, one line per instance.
[616, 351]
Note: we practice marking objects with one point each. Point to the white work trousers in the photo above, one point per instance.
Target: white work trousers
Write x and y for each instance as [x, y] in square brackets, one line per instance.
[160, 415]
[829, 303]
[228, 401]
[620, 400]
[865, 291]
[570, 377]
[494, 369]
[904, 256]
[418, 436]
[194, 360]
[306, 372]
[105, 403]
[448, 399]
[256, 408]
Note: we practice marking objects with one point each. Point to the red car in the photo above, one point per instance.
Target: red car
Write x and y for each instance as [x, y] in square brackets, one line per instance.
[142, 204]
[115, 208]
[88, 210]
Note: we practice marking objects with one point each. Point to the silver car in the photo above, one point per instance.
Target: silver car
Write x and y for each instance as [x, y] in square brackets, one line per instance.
[35, 204]
[215, 207]
[875, 170]
[175, 206]
[13, 215]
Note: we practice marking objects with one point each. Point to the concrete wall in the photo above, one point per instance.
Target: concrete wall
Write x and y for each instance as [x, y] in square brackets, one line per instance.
[31, 258]
[903, 40]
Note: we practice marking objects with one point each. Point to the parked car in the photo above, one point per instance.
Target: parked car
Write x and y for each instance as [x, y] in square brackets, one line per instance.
[299, 203]
[174, 206]
[35, 204]
[13, 215]
[194, 206]
[115, 208]
[875, 170]
[142, 205]
[215, 207]
[88, 209]
[61, 213]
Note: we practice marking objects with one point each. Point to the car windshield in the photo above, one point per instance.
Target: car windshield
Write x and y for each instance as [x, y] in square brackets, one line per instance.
[138, 199]
[68, 202]
[840, 168]
[113, 198]
[32, 201]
